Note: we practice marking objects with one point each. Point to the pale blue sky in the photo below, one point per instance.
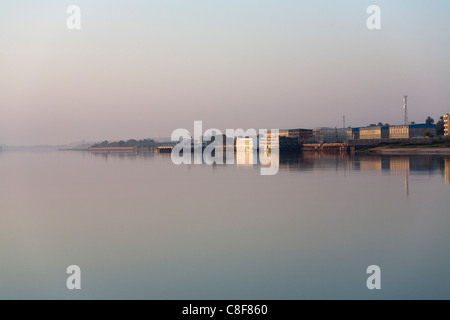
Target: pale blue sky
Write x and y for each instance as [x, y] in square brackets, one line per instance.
[141, 69]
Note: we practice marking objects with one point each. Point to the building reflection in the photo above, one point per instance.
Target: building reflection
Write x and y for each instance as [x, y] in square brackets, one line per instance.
[255, 157]
[125, 155]
[400, 164]
[268, 158]
[246, 157]
[310, 161]
[447, 171]
[407, 183]
[371, 164]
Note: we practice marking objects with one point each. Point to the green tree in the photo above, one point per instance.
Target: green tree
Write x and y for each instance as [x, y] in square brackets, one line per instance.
[429, 120]
[131, 143]
[440, 127]
[101, 145]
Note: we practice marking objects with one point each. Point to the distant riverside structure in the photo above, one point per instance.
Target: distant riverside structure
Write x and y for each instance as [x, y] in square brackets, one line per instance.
[411, 131]
[300, 134]
[247, 143]
[344, 135]
[334, 135]
[374, 133]
[266, 139]
[446, 125]
[397, 132]
[287, 138]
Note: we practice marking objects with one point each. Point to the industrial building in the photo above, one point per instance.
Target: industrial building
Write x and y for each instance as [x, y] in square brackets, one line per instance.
[334, 135]
[399, 132]
[301, 134]
[411, 131]
[374, 133]
[286, 138]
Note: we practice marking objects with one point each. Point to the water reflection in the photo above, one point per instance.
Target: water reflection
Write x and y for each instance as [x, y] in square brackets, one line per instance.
[318, 161]
[447, 171]
[246, 158]
[312, 229]
[393, 164]
[124, 155]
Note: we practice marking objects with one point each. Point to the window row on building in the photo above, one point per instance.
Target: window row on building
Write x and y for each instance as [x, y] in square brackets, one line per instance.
[446, 125]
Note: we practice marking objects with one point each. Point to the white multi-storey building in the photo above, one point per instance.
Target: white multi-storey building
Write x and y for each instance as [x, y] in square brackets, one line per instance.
[446, 125]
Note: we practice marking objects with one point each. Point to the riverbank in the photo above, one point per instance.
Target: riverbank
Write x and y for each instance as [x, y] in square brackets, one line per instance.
[419, 150]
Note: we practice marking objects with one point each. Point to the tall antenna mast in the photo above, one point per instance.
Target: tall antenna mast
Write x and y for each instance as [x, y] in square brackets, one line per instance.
[405, 106]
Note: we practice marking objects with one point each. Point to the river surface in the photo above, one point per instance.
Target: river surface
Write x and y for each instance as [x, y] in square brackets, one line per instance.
[140, 227]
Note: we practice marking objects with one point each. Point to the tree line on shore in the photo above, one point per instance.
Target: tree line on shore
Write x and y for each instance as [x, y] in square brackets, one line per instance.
[146, 143]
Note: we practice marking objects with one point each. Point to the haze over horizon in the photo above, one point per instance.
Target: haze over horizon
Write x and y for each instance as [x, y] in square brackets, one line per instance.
[140, 69]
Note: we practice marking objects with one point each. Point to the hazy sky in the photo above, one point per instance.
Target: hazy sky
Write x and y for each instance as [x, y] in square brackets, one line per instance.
[141, 69]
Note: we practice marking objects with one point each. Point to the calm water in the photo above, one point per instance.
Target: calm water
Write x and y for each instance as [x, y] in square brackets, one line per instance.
[141, 227]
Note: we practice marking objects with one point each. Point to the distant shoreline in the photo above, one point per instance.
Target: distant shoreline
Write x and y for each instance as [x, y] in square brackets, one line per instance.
[411, 151]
